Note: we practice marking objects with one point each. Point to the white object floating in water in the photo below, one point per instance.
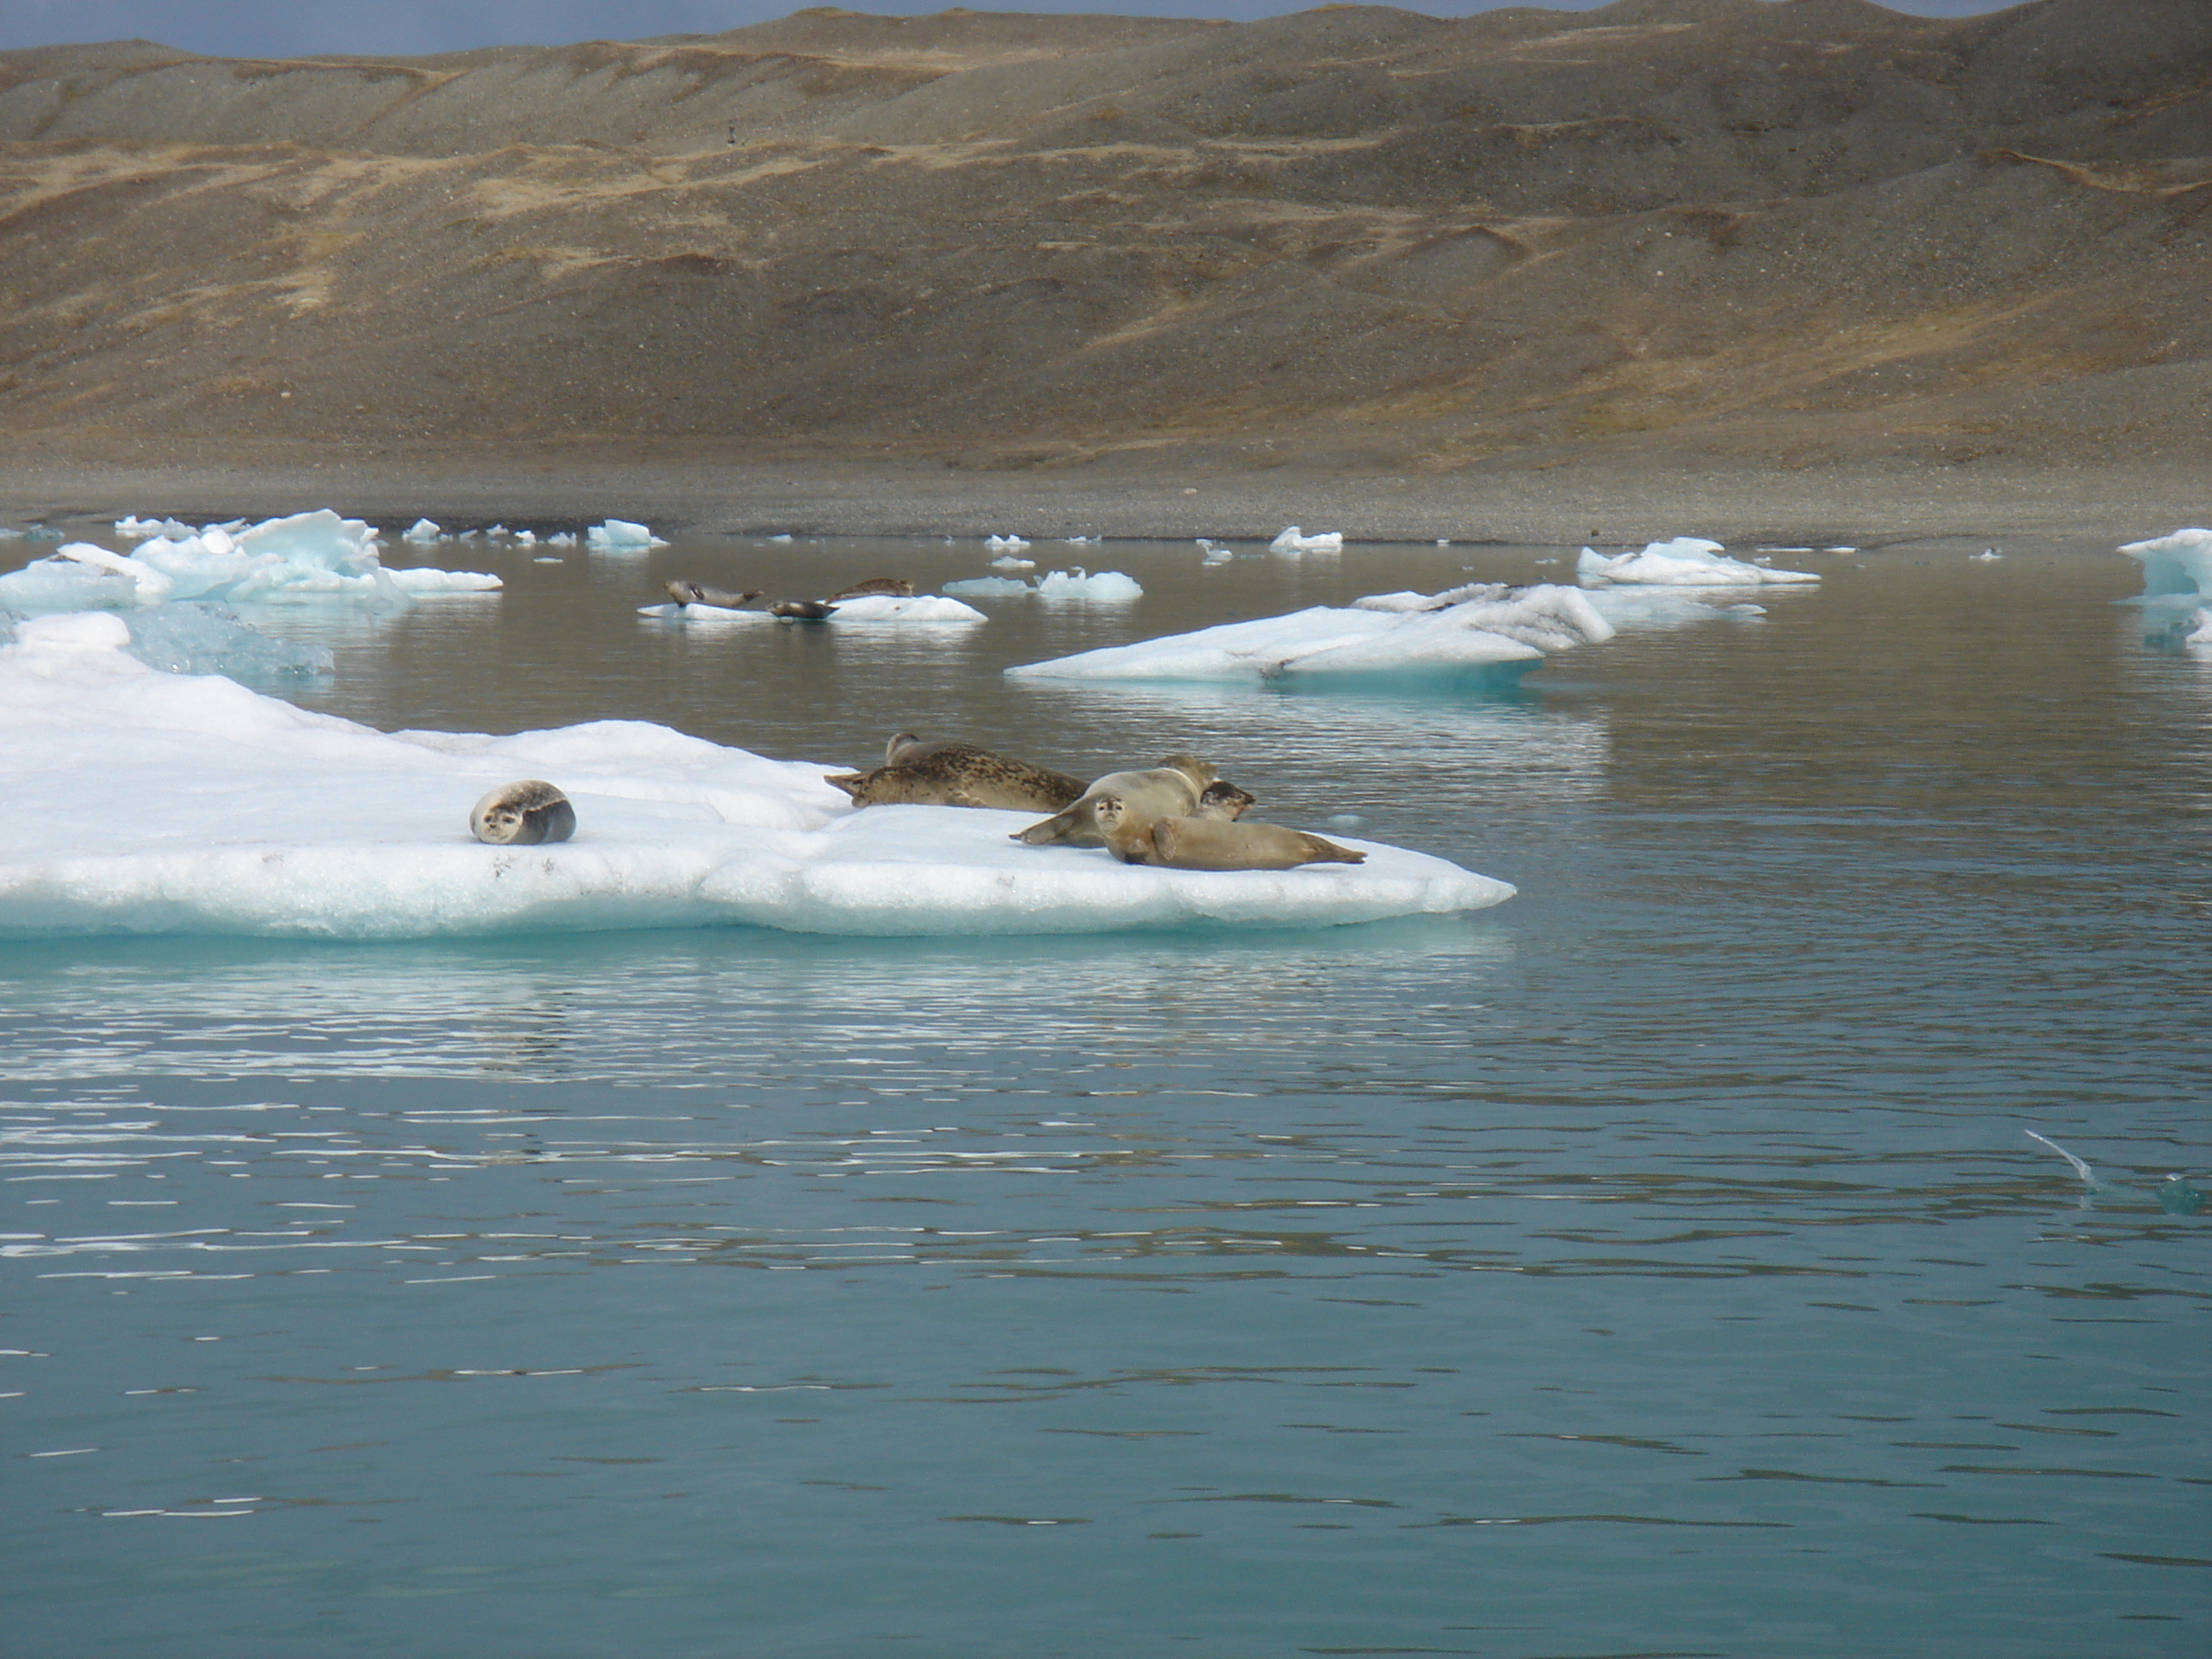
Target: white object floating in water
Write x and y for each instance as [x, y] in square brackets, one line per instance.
[1008, 561]
[1987, 553]
[621, 536]
[308, 556]
[423, 530]
[785, 537]
[871, 608]
[2178, 563]
[1393, 634]
[2200, 627]
[561, 538]
[1005, 544]
[1685, 561]
[1839, 549]
[525, 538]
[989, 588]
[548, 560]
[273, 819]
[1292, 541]
[2081, 1169]
[1107, 587]
[1080, 541]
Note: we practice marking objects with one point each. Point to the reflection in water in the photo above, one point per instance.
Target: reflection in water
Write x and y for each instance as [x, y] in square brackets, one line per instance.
[1652, 1263]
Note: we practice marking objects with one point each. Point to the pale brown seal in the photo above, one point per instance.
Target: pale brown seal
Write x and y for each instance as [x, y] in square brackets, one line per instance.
[523, 815]
[801, 609]
[953, 774]
[699, 593]
[895, 587]
[1213, 843]
[1171, 789]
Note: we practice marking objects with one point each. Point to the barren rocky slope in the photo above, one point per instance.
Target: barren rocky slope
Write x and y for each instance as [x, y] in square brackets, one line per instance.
[1795, 230]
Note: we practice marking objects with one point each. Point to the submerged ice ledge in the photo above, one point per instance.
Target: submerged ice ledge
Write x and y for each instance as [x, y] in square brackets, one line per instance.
[143, 802]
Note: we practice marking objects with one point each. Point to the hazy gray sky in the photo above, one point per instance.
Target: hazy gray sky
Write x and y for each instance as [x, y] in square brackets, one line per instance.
[288, 28]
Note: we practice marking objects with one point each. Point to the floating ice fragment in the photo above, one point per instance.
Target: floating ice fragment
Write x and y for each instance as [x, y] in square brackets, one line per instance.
[546, 560]
[2200, 627]
[1080, 541]
[525, 538]
[1107, 587]
[785, 537]
[1005, 544]
[200, 637]
[988, 587]
[1839, 549]
[894, 608]
[561, 538]
[621, 536]
[2178, 563]
[1500, 627]
[423, 530]
[1685, 561]
[1292, 541]
[306, 556]
[1008, 561]
[1987, 554]
[276, 820]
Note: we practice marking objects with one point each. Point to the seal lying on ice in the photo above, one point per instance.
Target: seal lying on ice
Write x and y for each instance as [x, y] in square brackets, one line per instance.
[1170, 790]
[1213, 843]
[893, 588]
[699, 593]
[523, 815]
[953, 774]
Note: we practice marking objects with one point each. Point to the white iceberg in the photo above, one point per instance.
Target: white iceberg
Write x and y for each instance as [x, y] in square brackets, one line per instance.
[1005, 544]
[307, 556]
[2200, 627]
[1292, 541]
[143, 802]
[132, 526]
[1495, 626]
[869, 608]
[422, 530]
[1008, 561]
[1685, 561]
[1107, 587]
[2178, 564]
[621, 536]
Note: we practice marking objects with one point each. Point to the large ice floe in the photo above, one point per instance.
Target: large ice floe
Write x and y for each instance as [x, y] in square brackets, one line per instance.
[869, 608]
[2177, 566]
[1483, 627]
[308, 556]
[1685, 561]
[146, 802]
[1079, 585]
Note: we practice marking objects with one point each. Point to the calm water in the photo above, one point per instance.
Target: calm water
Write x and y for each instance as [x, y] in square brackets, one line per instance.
[1653, 1265]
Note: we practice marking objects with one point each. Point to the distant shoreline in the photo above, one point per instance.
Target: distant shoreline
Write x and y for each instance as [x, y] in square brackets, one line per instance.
[1572, 501]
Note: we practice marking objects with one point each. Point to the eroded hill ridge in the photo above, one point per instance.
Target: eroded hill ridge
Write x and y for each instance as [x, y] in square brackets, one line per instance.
[1804, 229]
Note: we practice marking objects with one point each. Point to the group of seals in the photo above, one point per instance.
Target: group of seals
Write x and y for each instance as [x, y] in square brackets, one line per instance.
[691, 592]
[1180, 814]
[523, 814]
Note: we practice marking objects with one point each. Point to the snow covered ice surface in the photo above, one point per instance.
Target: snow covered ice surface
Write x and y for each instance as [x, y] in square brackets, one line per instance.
[1294, 541]
[146, 802]
[308, 556]
[1685, 561]
[1391, 634]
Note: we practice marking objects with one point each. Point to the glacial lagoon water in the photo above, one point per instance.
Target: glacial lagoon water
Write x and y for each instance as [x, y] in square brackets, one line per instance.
[1654, 1264]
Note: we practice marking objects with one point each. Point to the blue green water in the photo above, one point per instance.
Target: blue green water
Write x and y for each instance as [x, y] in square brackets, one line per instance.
[1655, 1264]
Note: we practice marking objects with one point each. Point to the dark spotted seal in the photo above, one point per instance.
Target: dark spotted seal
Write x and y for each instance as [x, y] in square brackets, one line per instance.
[802, 609]
[523, 815]
[953, 774]
[889, 588]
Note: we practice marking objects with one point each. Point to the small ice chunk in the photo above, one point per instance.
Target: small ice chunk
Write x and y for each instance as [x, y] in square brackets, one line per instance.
[1292, 540]
[1080, 541]
[561, 538]
[525, 538]
[498, 532]
[988, 587]
[1839, 549]
[423, 530]
[1986, 555]
[784, 537]
[2178, 563]
[1006, 544]
[546, 560]
[1107, 587]
[1684, 562]
[1008, 561]
[891, 608]
[621, 536]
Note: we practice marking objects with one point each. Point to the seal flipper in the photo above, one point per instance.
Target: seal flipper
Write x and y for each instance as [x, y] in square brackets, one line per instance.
[851, 782]
[1053, 829]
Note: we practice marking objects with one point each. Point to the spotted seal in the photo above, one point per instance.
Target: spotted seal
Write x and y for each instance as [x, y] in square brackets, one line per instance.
[953, 773]
[699, 593]
[802, 611]
[1213, 843]
[1171, 789]
[890, 587]
[523, 815]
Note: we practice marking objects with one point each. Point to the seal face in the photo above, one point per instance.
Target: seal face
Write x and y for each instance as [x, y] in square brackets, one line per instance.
[1223, 799]
[523, 815]
[953, 774]
[1171, 789]
[1197, 843]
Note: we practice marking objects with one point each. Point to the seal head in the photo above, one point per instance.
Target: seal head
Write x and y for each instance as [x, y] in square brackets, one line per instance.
[523, 814]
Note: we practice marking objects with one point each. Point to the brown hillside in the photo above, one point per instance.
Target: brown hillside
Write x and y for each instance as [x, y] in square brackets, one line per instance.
[1796, 229]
